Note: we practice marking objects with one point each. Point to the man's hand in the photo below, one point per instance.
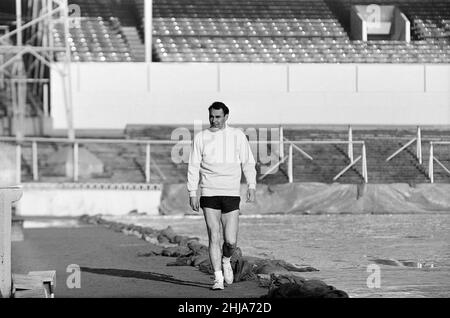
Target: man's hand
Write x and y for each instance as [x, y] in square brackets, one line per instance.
[193, 202]
[251, 195]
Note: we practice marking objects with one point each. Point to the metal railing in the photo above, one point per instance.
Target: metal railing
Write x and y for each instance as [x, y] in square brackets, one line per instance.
[149, 162]
[75, 144]
[294, 145]
[418, 140]
[434, 159]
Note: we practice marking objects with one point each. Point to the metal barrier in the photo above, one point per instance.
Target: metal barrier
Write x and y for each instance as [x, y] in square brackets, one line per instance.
[434, 159]
[75, 144]
[148, 160]
[417, 139]
[294, 145]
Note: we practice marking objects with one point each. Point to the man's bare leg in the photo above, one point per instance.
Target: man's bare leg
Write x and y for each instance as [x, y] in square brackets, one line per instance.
[230, 222]
[212, 219]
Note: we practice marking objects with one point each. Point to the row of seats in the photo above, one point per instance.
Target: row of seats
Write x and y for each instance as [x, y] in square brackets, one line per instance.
[229, 50]
[209, 49]
[250, 30]
[208, 31]
[95, 40]
[302, 57]
[238, 31]
[105, 28]
[244, 18]
[318, 28]
[121, 9]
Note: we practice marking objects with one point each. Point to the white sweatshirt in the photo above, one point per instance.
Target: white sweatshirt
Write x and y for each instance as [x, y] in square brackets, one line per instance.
[217, 156]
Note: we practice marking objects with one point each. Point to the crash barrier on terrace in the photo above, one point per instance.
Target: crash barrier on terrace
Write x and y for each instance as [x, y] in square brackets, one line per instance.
[149, 162]
[75, 143]
[417, 140]
[295, 145]
[433, 159]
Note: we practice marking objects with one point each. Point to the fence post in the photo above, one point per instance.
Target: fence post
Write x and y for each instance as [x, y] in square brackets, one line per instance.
[45, 100]
[290, 165]
[35, 161]
[147, 163]
[350, 143]
[8, 195]
[18, 163]
[364, 163]
[419, 145]
[75, 161]
[430, 164]
[281, 143]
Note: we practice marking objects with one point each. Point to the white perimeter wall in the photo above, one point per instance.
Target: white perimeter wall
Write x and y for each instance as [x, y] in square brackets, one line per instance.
[112, 95]
[37, 201]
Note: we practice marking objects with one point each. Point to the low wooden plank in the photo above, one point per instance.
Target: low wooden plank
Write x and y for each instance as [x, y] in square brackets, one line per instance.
[48, 278]
[31, 293]
[21, 281]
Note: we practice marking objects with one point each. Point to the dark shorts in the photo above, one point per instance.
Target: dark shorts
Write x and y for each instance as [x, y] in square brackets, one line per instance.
[223, 203]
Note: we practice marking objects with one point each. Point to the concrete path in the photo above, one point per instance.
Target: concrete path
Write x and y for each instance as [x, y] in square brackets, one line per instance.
[110, 266]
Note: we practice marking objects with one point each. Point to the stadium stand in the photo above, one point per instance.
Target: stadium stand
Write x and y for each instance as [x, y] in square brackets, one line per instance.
[95, 40]
[107, 32]
[284, 31]
[300, 31]
[304, 31]
[250, 31]
[272, 31]
[429, 27]
[430, 19]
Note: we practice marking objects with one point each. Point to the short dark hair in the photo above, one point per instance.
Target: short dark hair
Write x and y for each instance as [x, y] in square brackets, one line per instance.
[219, 105]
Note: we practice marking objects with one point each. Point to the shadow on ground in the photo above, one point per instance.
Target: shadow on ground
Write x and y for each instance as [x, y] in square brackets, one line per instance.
[142, 275]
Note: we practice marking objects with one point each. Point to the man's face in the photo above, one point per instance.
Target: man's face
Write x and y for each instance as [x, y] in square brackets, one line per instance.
[217, 118]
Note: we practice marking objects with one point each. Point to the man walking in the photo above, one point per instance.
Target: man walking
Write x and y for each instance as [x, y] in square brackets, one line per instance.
[216, 158]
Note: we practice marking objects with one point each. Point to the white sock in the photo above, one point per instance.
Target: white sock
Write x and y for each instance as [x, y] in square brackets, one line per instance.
[226, 260]
[218, 275]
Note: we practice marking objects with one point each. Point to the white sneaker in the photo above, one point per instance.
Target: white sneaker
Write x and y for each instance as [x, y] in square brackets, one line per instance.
[227, 273]
[218, 284]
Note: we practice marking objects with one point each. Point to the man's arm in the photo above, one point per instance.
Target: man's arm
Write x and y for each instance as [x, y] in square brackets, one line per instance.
[248, 167]
[193, 176]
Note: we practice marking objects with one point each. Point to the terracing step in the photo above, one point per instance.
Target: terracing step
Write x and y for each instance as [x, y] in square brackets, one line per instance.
[134, 42]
